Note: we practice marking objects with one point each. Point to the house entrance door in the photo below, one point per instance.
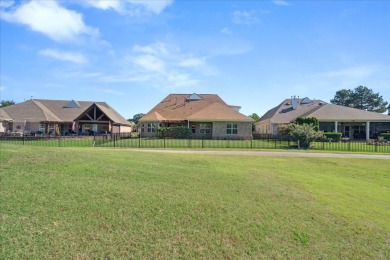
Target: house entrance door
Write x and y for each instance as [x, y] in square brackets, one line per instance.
[347, 131]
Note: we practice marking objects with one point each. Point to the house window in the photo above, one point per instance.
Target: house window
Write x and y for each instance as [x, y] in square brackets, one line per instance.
[42, 128]
[205, 128]
[193, 128]
[51, 128]
[231, 129]
[151, 128]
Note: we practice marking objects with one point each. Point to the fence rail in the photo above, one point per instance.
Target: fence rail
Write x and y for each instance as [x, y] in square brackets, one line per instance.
[131, 141]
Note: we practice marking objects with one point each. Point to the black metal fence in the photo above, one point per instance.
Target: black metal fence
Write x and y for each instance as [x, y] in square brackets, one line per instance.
[134, 141]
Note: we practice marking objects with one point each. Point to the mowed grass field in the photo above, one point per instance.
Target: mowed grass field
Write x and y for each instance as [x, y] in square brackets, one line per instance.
[87, 203]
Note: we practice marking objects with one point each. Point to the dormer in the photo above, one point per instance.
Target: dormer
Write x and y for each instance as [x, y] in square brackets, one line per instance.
[72, 104]
[193, 97]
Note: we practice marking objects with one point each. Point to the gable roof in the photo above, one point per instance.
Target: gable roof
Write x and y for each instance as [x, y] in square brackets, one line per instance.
[4, 116]
[42, 110]
[284, 112]
[193, 107]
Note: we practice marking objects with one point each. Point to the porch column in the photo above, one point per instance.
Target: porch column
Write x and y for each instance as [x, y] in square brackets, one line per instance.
[367, 130]
[335, 126]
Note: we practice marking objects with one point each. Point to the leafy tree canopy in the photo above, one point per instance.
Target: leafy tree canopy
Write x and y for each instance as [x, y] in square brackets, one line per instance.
[136, 118]
[256, 118]
[4, 103]
[360, 98]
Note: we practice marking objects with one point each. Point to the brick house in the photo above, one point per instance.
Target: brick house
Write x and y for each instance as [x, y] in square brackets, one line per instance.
[352, 123]
[207, 115]
[63, 117]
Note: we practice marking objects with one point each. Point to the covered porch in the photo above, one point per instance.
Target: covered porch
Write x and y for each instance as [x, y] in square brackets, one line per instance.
[356, 130]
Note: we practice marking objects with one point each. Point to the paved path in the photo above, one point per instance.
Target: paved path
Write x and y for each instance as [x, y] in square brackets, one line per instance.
[271, 153]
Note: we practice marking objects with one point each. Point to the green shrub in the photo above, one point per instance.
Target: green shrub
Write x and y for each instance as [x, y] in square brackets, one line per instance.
[385, 136]
[334, 136]
[174, 132]
[305, 134]
[309, 121]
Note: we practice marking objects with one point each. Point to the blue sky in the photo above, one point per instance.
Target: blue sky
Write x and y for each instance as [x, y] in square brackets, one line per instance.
[133, 53]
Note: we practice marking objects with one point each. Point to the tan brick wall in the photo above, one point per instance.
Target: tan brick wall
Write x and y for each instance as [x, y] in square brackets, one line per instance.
[3, 126]
[143, 129]
[244, 130]
[121, 129]
[32, 126]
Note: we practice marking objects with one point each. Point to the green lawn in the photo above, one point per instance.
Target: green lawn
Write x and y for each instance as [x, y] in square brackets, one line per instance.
[113, 203]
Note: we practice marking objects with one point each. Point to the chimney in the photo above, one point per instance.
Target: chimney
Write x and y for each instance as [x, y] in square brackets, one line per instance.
[294, 103]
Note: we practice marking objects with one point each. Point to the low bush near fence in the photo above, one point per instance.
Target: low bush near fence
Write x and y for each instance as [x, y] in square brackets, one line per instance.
[385, 135]
[336, 137]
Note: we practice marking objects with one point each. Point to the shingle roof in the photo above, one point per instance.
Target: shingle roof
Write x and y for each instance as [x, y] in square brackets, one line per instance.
[336, 112]
[112, 114]
[42, 110]
[284, 112]
[4, 116]
[181, 107]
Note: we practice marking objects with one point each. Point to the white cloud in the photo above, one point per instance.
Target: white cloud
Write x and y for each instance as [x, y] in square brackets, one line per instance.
[105, 4]
[351, 72]
[191, 62]
[6, 3]
[280, 2]
[226, 31]
[148, 62]
[131, 6]
[64, 56]
[51, 19]
[163, 65]
[177, 80]
[154, 49]
[245, 17]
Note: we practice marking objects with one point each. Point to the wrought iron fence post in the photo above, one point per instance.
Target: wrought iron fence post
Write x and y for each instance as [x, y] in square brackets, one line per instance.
[202, 143]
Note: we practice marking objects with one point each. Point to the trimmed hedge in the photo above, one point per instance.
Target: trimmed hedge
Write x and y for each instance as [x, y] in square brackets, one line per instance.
[385, 136]
[175, 132]
[334, 136]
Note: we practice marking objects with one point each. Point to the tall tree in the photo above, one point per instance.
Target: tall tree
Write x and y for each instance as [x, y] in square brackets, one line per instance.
[360, 98]
[136, 118]
[255, 117]
[343, 98]
[4, 103]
